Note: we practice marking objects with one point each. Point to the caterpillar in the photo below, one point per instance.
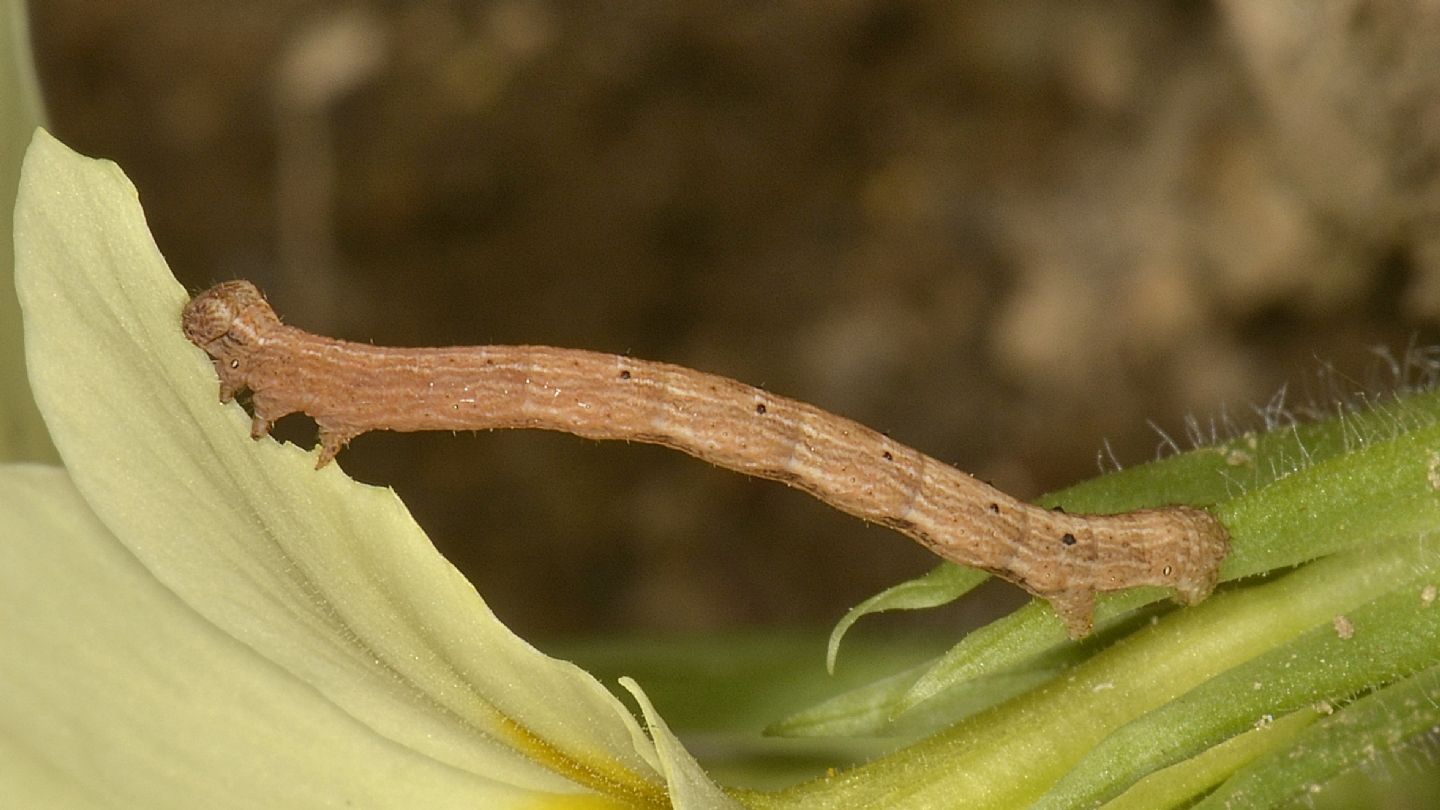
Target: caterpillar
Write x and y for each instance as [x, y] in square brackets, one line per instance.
[350, 388]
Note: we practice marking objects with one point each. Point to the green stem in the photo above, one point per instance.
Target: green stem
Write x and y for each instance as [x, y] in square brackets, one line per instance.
[1360, 504]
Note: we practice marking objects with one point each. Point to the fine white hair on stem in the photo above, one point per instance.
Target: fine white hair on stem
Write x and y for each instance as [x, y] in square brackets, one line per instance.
[1167, 445]
[1105, 459]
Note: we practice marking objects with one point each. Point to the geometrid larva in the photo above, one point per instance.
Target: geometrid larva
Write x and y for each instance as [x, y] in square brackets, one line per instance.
[349, 388]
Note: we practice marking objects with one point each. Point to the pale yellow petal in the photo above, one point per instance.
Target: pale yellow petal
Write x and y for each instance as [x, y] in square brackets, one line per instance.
[329, 579]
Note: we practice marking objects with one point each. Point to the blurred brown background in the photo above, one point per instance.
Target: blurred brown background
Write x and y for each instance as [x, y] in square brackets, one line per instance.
[1004, 231]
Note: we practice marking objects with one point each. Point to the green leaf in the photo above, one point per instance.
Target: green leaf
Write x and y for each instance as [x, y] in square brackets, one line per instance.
[872, 710]
[1178, 785]
[327, 579]
[942, 585]
[1384, 722]
[1366, 480]
[1384, 640]
[1012, 754]
[880, 708]
[1013, 642]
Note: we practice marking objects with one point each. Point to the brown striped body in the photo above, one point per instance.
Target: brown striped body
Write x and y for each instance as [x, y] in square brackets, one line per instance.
[350, 388]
